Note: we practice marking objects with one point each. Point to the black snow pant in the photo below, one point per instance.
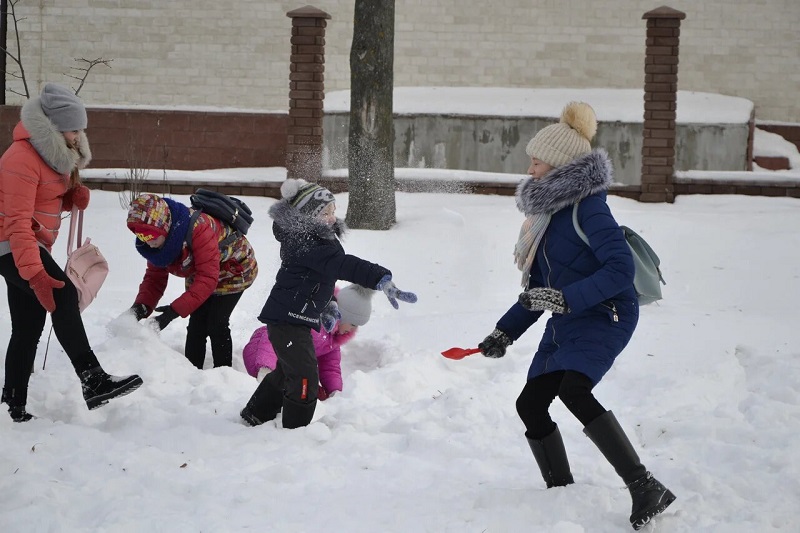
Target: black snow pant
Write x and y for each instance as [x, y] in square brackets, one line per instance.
[573, 388]
[294, 384]
[212, 320]
[28, 319]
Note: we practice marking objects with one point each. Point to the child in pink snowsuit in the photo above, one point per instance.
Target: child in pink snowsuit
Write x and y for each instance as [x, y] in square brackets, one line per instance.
[355, 306]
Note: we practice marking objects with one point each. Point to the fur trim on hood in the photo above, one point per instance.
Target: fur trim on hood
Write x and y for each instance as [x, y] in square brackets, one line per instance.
[293, 221]
[566, 185]
[49, 143]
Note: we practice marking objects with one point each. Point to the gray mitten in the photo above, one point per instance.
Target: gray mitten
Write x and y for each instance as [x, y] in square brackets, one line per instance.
[330, 316]
[495, 344]
[544, 299]
[393, 293]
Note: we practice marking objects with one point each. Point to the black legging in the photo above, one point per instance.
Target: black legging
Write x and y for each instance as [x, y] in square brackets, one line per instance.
[28, 318]
[212, 319]
[573, 388]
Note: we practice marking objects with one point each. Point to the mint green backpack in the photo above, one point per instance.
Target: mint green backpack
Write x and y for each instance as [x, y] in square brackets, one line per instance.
[648, 279]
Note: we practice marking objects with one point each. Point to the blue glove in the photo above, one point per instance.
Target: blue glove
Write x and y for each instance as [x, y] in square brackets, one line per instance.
[393, 293]
[330, 316]
[167, 315]
[544, 299]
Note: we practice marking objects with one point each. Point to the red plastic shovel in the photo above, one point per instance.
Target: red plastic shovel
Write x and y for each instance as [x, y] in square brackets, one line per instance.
[459, 353]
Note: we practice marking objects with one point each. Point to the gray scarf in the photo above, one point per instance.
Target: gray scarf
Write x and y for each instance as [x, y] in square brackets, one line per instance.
[538, 199]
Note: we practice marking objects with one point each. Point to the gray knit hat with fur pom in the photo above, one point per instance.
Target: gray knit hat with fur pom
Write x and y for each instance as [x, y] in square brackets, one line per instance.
[64, 109]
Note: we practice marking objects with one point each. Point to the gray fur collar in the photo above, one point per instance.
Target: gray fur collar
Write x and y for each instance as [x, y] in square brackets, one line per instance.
[563, 186]
[293, 221]
[49, 142]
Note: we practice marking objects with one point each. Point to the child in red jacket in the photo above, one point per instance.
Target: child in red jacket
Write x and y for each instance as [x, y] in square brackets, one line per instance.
[216, 276]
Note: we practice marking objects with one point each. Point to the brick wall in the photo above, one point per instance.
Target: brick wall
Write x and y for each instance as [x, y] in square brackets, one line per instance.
[751, 188]
[180, 140]
[790, 132]
[236, 53]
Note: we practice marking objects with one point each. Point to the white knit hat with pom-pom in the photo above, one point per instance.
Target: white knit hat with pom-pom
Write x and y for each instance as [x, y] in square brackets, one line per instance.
[558, 144]
[355, 304]
[308, 198]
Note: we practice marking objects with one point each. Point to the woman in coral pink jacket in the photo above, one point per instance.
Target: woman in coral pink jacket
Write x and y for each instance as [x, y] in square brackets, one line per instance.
[38, 180]
[354, 304]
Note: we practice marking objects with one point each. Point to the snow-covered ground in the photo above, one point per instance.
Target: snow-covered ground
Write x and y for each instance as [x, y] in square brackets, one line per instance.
[708, 390]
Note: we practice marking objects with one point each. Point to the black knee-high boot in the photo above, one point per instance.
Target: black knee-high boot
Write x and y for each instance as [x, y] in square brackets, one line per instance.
[552, 459]
[649, 496]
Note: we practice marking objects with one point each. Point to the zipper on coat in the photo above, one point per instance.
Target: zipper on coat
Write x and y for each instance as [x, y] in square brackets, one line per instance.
[546, 260]
[310, 297]
[549, 271]
[613, 308]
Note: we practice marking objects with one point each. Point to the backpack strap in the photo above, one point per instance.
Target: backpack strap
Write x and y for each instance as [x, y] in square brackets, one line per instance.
[192, 221]
[224, 243]
[75, 221]
[576, 225]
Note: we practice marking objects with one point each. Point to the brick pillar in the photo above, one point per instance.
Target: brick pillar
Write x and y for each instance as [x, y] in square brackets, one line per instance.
[660, 103]
[306, 93]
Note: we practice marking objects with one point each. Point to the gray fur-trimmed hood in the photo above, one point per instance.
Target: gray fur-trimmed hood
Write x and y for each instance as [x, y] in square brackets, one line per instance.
[293, 221]
[49, 142]
[566, 185]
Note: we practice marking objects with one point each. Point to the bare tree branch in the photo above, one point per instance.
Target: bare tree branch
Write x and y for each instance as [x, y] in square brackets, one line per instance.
[89, 64]
[18, 58]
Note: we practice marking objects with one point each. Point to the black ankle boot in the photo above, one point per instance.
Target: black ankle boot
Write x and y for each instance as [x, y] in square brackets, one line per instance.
[99, 387]
[648, 495]
[264, 405]
[650, 498]
[16, 400]
[552, 459]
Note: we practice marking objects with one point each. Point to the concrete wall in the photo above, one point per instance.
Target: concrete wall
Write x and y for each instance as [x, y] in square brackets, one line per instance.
[236, 53]
[491, 144]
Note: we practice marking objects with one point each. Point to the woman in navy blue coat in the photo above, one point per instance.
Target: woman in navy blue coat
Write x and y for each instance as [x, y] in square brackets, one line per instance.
[312, 259]
[589, 291]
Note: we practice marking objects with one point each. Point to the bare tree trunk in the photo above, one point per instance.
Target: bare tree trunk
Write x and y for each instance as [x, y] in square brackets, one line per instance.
[371, 138]
[4, 44]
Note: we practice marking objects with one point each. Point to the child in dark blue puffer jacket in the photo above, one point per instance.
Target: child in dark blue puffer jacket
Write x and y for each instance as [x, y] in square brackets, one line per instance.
[312, 259]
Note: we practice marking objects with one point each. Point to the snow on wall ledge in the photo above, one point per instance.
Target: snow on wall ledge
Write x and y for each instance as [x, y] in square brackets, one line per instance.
[610, 105]
[486, 129]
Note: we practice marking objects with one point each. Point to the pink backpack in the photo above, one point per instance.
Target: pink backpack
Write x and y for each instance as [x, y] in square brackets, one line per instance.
[86, 267]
